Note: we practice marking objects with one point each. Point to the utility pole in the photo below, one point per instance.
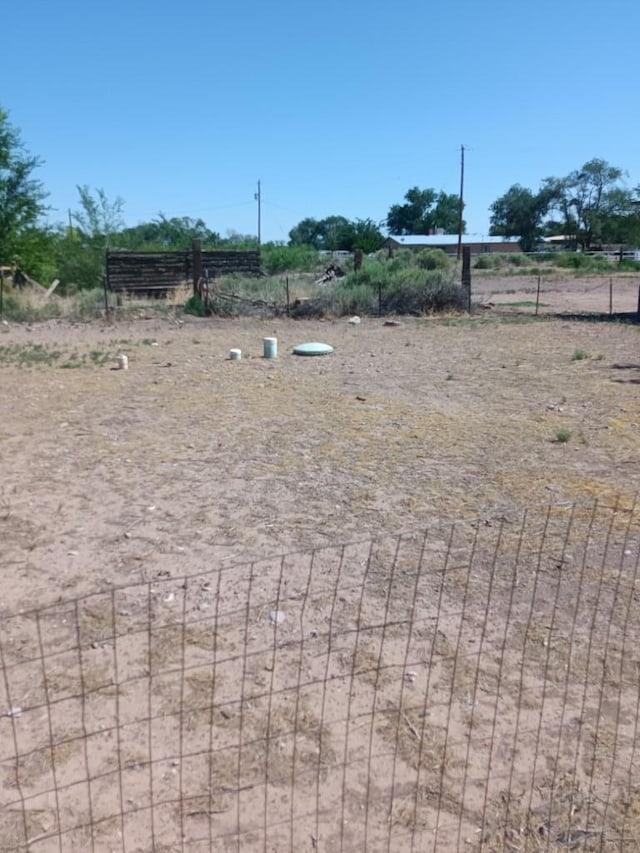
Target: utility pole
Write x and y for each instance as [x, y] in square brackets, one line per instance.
[461, 201]
[259, 200]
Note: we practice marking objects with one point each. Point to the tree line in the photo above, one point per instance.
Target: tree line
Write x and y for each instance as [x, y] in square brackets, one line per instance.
[590, 206]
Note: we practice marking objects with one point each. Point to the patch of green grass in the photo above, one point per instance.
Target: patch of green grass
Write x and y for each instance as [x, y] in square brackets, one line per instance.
[562, 435]
[36, 354]
[99, 357]
[579, 355]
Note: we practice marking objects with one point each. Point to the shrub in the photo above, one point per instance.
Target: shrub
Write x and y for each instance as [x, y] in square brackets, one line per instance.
[516, 259]
[433, 259]
[427, 297]
[486, 262]
[88, 303]
[628, 264]
[277, 258]
[581, 261]
[20, 308]
[400, 260]
[350, 299]
[194, 305]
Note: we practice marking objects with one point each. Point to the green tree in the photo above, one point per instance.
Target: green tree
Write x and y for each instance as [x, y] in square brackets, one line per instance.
[366, 236]
[424, 212]
[98, 219]
[21, 195]
[591, 201]
[174, 234]
[623, 224]
[81, 255]
[337, 233]
[520, 213]
[308, 232]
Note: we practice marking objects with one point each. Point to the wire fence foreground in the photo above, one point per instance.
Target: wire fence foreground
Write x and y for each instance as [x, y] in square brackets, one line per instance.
[472, 687]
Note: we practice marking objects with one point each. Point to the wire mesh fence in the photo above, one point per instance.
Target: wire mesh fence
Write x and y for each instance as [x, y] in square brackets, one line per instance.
[615, 296]
[475, 686]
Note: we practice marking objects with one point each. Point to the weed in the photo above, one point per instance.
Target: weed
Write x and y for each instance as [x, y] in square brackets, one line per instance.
[449, 377]
[579, 355]
[194, 305]
[36, 354]
[99, 357]
[562, 435]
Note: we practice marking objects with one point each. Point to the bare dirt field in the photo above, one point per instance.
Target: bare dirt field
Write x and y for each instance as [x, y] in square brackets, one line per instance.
[144, 512]
[561, 294]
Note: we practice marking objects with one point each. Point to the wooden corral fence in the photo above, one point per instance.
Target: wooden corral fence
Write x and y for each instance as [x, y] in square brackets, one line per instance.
[156, 273]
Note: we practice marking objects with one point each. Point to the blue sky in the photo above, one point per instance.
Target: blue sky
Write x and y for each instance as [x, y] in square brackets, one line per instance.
[338, 107]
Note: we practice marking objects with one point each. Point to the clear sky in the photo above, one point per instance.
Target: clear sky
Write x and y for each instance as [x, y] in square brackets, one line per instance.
[337, 107]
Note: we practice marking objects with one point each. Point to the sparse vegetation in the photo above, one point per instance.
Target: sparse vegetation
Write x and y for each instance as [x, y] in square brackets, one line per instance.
[562, 435]
[579, 354]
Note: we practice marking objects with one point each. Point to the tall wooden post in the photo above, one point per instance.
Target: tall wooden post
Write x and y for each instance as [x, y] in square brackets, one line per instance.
[610, 297]
[196, 251]
[461, 201]
[466, 274]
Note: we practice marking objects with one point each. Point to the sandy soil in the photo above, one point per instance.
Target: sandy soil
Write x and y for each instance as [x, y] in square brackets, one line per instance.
[562, 294]
[191, 465]
[199, 459]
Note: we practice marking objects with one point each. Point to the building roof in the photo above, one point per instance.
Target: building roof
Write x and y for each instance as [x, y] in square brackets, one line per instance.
[447, 239]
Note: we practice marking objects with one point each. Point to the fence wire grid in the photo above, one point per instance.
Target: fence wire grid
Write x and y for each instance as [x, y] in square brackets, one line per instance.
[475, 686]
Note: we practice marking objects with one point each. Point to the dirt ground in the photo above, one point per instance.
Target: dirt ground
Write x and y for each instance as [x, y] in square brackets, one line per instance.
[565, 294]
[189, 462]
[198, 458]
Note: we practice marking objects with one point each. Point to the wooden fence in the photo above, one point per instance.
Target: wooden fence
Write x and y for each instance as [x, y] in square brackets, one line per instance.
[155, 273]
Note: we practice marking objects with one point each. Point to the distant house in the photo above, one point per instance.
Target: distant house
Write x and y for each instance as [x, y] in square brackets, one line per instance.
[449, 243]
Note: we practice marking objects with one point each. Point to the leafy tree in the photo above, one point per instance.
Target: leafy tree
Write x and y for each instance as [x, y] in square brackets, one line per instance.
[446, 214]
[308, 232]
[240, 241]
[35, 253]
[175, 234]
[520, 213]
[366, 236]
[337, 233]
[410, 218]
[591, 201]
[81, 255]
[623, 224]
[590, 206]
[425, 211]
[21, 195]
[98, 218]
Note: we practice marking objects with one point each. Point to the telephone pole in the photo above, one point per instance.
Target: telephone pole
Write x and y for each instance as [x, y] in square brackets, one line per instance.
[259, 200]
[460, 220]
